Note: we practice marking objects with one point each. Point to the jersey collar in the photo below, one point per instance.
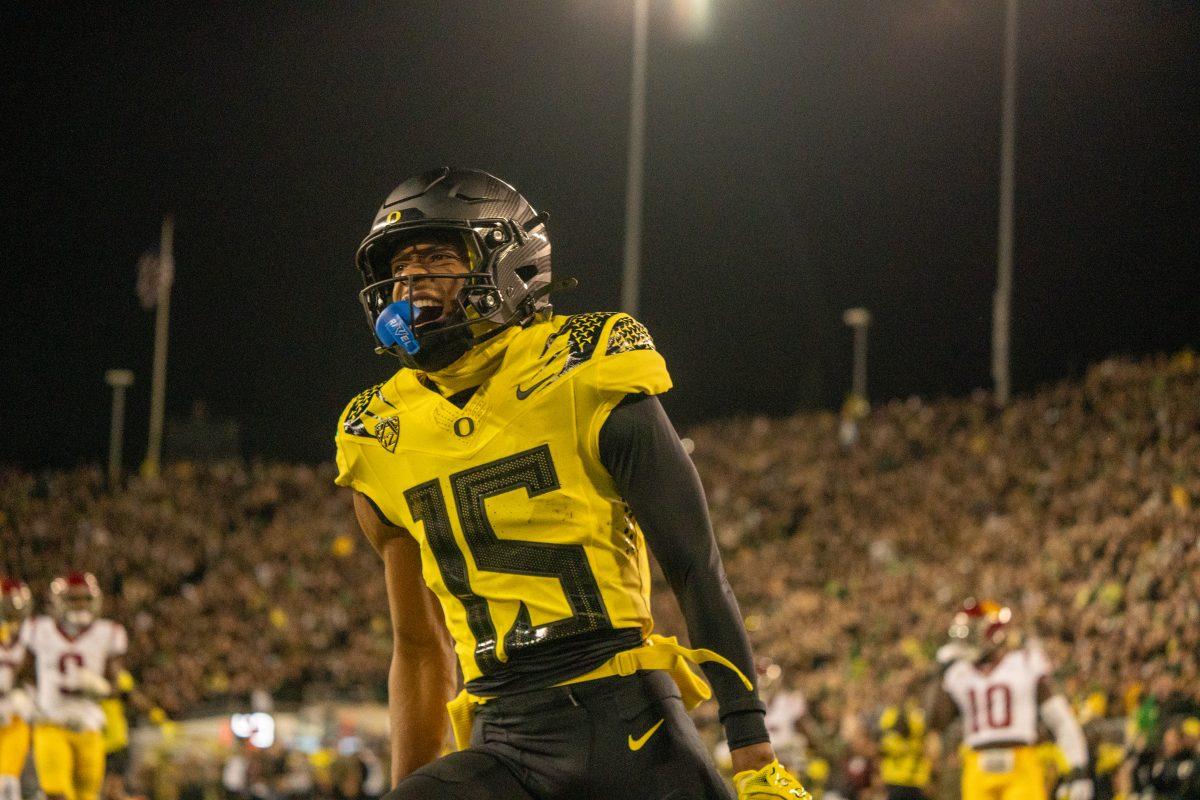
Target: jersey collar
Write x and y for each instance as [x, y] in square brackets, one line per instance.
[476, 366]
[78, 634]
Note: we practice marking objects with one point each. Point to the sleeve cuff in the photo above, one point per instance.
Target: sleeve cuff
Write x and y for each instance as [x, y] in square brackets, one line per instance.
[744, 728]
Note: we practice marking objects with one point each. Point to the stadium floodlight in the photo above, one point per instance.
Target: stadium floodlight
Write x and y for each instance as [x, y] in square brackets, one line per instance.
[859, 319]
[119, 380]
[695, 19]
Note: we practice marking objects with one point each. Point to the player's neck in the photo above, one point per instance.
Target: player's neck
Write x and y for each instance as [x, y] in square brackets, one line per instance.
[474, 367]
[74, 630]
[988, 662]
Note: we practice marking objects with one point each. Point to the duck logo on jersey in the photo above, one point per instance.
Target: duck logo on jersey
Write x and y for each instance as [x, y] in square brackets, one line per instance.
[358, 417]
[388, 433]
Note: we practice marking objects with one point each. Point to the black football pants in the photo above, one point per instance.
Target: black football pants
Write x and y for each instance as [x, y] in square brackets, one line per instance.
[608, 739]
[904, 792]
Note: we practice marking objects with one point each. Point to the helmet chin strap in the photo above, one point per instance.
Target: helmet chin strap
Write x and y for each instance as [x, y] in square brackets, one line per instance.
[438, 352]
[560, 285]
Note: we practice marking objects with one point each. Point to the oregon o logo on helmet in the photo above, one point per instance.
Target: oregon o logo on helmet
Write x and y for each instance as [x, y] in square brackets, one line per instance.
[395, 216]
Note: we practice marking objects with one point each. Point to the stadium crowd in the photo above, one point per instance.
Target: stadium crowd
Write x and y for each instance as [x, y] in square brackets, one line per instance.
[1074, 505]
[229, 578]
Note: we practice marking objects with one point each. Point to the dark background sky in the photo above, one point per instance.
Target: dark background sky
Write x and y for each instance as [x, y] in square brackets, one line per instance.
[802, 157]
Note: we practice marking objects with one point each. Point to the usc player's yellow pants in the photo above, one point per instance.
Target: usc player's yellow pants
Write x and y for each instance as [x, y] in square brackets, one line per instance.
[69, 763]
[1010, 773]
[14, 746]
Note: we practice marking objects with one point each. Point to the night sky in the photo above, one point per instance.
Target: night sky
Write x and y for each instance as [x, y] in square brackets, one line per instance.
[802, 157]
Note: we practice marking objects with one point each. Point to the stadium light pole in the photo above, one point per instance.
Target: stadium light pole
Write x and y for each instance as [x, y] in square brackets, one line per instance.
[696, 16]
[158, 383]
[1002, 301]
[119, 380]
[859, 319]
[632, 273]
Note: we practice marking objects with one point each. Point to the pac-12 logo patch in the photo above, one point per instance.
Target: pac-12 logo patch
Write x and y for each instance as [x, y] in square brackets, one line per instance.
[388, 433]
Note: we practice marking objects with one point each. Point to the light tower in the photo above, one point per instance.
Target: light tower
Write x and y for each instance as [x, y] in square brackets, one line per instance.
[632, 272]
[1002, 299]
[859, 319]
[856, 406]
[119, 380]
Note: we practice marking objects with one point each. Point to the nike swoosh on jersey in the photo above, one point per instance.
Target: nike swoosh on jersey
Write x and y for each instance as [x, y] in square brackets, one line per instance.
[636, 744]
[523, 393]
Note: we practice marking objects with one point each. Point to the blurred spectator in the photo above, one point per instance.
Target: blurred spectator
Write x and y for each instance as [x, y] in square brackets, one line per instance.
[1171, 774]
[904, 766]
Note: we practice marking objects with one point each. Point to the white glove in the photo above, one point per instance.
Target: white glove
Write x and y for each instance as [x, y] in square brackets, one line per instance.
[950, 652]
[73, 721]
[22, 703]
[92, 684]
[1078, 789]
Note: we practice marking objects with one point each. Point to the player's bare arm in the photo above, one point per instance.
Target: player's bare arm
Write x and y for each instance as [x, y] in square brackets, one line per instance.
[939, 707]
[939, 711]
[421, 679]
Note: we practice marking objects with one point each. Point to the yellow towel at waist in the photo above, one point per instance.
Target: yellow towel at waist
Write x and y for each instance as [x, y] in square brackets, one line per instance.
[659, 652]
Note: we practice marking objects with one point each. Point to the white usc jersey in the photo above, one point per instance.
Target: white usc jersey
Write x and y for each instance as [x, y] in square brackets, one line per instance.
[1000, 705]
[12, 656]
[59, 660]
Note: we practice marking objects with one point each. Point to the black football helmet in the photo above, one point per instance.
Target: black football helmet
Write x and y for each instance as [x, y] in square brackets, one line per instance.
[507, 249]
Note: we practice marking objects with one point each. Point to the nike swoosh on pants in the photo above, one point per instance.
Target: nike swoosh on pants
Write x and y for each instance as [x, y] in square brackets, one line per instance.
[636, 744]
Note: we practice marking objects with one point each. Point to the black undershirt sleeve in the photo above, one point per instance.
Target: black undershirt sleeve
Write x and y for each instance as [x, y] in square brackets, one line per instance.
[641, 450]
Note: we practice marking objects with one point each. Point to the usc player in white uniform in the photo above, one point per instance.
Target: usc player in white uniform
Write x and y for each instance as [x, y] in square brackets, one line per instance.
[16, 604]
[74, 650]
[999, 689]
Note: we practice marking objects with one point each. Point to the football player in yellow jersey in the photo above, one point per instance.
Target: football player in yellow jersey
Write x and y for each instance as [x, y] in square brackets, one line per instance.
[514, 475]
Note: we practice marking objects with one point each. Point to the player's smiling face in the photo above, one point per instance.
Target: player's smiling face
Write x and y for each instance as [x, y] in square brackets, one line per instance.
[433, 298]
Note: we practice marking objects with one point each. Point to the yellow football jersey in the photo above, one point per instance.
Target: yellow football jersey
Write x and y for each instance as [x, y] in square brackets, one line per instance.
[524, 539]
